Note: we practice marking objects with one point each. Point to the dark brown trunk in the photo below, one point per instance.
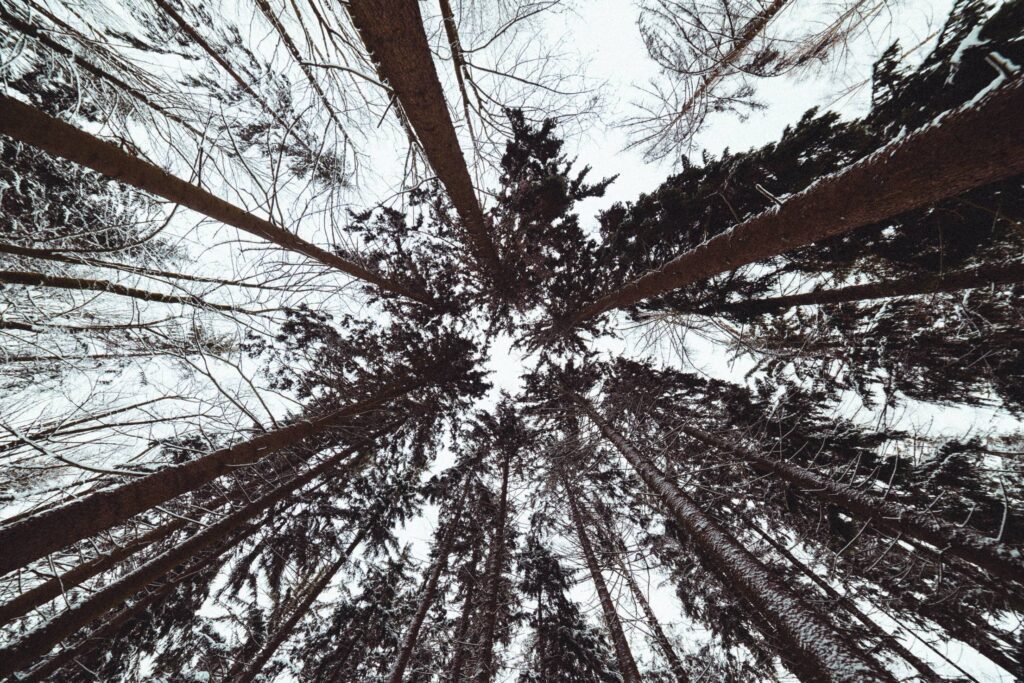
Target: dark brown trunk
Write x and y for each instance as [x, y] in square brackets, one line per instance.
[495, 567]
[812, 643]
[966, 544]
[31, 126]
[22, 653]
[56, 528]
[392, 31]
[623, 655]
[18, 277]
[984, 276]
[429, 591]
[462, 631]
[977, 144]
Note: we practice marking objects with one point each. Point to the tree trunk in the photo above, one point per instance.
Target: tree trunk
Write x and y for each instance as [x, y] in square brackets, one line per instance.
[495, 567]
[983, 276]
[56, 528]
[974, 145]
[18, 277]
[248, 672]
[890, 641]
[462, 631]
[22, 653]
[31, 126]
[429, 591]
[393, 33]
[989, 554]
[627, 664]
[821, 654]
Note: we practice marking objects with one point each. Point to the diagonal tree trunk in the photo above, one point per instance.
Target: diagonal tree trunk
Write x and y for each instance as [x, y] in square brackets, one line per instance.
[393, 33]
[819, 652]
[988, 553]
[974, 145]
[23, 653]
[31, 126]
[55, 528]
[429, 590]
[983, 276]
[495, 567]
[623, 655]
[462, 630]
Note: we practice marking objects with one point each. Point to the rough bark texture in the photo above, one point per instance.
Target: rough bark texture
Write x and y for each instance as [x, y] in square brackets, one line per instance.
[22, 653]
[977, 144]
[495, 565]
[20, 277]
[989, 554]
[812, 643]
[31, 126]
[393, 33]
[623, 655]
[429, 591]
[55, 528]
[974, 278]
[462, 633]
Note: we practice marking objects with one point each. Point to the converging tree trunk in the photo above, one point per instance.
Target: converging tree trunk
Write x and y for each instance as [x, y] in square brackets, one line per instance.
[495, 568]
[461, 641]
[29, 125]
[974, 145]
[817, 651]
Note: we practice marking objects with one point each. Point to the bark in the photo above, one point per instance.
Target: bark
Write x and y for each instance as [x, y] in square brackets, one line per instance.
[19, 277]
[623, 655]
[495, 567]
[983, 276]
[55, 528]
[251, 670]
[892, 642]
[31, 126]
[974, 145]
[809, 639]
[968, 545]
[392, 31]
[429, 591]
[22, 653]
[461, 640]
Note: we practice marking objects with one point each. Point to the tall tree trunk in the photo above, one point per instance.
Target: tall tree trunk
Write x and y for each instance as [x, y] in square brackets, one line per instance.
[22, 653]
[612, 540]
[983, 276]
[31, 126]
[820, 653]
[974, 145]
[623, 655]
[393, 33]
[429, 591]
[247, 672]
[988, 553]
[495, 568]
[19, 277]
[891, 642]
[56, 528]
[462, 631]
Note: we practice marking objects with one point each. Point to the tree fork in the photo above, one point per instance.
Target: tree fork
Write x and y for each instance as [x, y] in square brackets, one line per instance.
[822, 654]
[974, 145]
[22, 653]
[968, 545]
[55, 528]
[34, 127]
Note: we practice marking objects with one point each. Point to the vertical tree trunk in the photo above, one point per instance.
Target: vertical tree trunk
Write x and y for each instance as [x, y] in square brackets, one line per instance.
[970, 546]
[29, 125]
[623, 655]
[56, 528]
[22, 653]
[393, 33]
[820, 652]
[977, 144]
[429, 591]
[462, 631]
[983, 276]
[495, 567]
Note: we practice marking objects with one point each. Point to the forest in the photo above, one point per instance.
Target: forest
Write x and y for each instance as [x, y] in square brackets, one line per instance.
[526, 341]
